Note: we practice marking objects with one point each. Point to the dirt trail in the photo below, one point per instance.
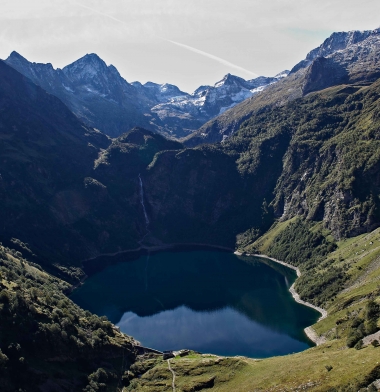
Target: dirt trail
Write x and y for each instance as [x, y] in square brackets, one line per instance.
[173, 382]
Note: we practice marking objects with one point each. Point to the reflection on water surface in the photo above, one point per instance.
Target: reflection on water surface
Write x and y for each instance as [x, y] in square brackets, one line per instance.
[209, 301]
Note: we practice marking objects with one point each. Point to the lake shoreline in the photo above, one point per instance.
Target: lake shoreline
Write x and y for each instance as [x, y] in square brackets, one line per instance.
[161, 247]
[309, 331]
[137, 252]
[90, 265]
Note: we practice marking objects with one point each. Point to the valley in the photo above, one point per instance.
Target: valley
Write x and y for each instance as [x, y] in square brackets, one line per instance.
[291, 172]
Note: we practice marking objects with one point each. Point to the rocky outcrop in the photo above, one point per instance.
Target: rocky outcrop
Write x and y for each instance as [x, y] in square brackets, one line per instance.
[323, 73]
[336, 42]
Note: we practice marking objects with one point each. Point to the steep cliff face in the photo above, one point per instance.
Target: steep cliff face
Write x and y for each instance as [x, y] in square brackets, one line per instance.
[188, 198]
[322, 73]
[331, 169]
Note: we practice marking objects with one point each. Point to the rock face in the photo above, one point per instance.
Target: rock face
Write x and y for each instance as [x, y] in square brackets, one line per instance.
[101, 98]
[337, 41]
[351, 57]
[322, 73]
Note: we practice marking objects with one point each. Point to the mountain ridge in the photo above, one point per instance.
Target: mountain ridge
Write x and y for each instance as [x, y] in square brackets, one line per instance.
[103, 99]
[352, 59]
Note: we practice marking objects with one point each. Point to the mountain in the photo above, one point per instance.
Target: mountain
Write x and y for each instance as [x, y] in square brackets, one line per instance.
[101, 98]
[183, 113]
[50, 195]
[315, 157]
[299, 176]
[216, 192]
[347, 57]
[94, 92]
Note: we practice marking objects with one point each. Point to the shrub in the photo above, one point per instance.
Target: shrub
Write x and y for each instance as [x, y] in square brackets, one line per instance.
[372, 310]
[359, 345]
[353, 338]
[3, 360]
[371, 327]
[4, 297]
[356, 322]
[375, 343]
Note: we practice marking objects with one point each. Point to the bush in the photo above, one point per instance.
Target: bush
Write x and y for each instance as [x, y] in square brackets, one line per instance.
[96, 381]
[4, 297]
[375, 343]
[371, 327]
[356, 322]
[372, 310]
[359, 345]
[353, 338]
[3, 360]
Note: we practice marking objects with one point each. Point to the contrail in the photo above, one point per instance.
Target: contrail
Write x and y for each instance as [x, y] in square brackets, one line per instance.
[190, 48]
[211, 56]
[97, 12]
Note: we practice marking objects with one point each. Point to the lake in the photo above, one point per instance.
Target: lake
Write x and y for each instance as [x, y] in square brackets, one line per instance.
[208, 301]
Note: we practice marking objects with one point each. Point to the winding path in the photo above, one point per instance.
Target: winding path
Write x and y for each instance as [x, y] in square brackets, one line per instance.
[173, 382]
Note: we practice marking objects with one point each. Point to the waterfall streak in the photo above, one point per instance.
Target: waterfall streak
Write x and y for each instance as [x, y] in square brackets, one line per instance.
[142, 202]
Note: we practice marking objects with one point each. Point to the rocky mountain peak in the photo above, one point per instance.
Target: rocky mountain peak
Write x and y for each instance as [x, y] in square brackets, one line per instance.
[14, 56]
[336, 42]
[229, 80]
[87, 66]
[101, 98]
[28, 69]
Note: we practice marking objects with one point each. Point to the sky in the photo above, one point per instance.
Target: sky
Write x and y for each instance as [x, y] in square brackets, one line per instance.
[183, 42]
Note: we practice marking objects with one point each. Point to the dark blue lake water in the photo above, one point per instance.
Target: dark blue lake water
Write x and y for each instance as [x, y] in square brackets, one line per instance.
[208, 301]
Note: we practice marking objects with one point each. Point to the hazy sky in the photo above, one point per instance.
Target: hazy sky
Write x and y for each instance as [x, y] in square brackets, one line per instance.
[183, 42]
